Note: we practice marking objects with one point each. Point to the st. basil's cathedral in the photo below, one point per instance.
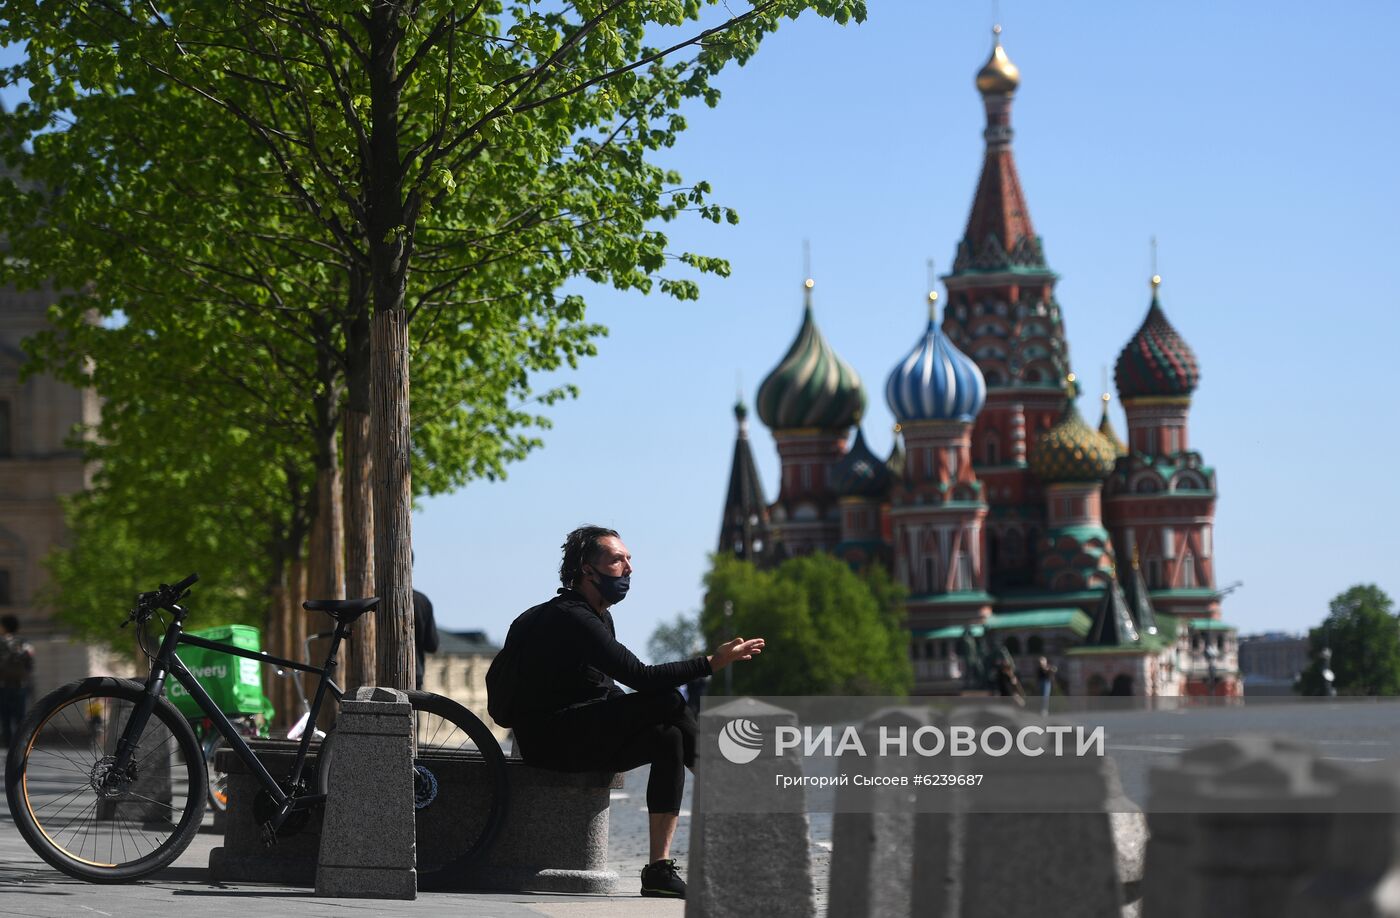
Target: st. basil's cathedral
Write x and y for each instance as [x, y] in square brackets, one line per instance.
[1011, 522]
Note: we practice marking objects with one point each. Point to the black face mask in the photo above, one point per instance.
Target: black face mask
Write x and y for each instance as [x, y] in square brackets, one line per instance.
[613, 589]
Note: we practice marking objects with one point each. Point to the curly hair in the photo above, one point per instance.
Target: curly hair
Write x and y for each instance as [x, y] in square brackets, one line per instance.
[580, 548]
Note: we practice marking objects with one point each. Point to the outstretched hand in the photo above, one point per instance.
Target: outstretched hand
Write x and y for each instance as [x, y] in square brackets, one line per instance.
[736, 649]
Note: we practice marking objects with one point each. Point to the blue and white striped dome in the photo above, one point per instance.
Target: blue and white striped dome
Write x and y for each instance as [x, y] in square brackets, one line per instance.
[936, 382]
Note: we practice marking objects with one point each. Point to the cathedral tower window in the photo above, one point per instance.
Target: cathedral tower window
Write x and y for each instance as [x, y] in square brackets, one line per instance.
[6, 598]
[964, 571]
[6, 444]
[1154, 573]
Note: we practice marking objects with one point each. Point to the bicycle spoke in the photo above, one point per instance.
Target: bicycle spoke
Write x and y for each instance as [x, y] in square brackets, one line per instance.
[54, 801]
[75, 767]
[92, 807]
[153, 801]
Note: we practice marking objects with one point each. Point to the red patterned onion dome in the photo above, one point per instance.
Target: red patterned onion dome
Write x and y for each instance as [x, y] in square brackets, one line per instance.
[1157, 361]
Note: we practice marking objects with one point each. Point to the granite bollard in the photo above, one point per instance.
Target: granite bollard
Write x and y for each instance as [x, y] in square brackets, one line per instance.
[1039, 823]
[367, 839]
[1260, 835]
[745, 857]
[1235, 826]
[872, 855]
[1359, 876]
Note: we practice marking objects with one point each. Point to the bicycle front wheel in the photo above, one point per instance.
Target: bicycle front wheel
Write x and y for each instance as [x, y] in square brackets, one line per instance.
[81, 816]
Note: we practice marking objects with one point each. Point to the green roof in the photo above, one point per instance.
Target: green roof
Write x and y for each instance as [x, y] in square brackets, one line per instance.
[1034, 598]
[1073, 619]
[1119, 649]
[950, 632]
[962, 598]
[1210, 624]
[1183, 593]
[1167, 628]
[1079, 533]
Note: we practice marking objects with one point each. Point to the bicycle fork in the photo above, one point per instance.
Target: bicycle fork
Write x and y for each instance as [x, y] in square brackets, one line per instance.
[120, 774]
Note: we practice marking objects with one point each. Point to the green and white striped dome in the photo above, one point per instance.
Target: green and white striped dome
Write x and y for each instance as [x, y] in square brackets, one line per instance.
[811, 387]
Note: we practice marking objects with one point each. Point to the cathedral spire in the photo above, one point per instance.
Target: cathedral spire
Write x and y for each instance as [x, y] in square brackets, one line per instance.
[999, 233]
[745, 523]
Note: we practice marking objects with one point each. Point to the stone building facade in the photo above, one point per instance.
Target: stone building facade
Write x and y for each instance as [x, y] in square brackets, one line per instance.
[39, 467]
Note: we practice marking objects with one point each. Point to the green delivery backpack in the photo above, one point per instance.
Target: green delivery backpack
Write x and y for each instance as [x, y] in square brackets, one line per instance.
[234, 683]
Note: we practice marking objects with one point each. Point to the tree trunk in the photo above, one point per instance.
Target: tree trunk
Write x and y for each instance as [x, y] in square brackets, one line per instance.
[389, 238]
[325, 569]
[359, 497]
[296, 632]
[395, 661]
[326, 555]
[274, 643]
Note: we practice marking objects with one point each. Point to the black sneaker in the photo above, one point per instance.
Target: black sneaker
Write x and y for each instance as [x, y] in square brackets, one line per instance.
[662, 880]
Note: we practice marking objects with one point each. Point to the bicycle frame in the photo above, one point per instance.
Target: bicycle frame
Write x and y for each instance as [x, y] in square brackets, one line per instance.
[167, 662]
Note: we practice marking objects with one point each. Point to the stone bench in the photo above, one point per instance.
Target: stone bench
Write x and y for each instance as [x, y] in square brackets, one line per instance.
[555, 837]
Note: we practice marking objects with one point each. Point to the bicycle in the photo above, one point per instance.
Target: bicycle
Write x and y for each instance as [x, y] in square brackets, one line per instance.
[252, 727]
[107, 781]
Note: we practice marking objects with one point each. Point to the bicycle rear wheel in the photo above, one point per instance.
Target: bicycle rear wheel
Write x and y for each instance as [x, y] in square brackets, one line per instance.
[75, 813]
[460, 788]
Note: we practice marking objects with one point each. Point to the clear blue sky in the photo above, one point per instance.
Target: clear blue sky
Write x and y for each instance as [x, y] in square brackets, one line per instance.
[1255, 140]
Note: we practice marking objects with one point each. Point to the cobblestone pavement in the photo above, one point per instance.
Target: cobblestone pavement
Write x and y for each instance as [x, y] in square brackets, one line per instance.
[185, 886]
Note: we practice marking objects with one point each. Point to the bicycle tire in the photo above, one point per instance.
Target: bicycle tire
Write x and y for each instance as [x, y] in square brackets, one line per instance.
[53, 773]
[454, 829]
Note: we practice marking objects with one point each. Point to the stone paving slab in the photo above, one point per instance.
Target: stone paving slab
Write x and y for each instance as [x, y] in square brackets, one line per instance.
[30, 888]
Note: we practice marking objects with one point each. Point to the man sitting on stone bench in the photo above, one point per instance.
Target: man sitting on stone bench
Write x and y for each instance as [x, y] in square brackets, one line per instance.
[569, 714]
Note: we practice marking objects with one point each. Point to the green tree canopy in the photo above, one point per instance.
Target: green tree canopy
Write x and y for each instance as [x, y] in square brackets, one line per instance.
[679, 639]
[1364, 637]
[249, 182]
[829, 631]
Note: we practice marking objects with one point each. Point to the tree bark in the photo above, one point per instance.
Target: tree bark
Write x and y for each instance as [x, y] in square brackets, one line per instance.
[296, 632]
[359, 497]
[325, 564]
[325, 570]
[389, 239]
[325, 573]
[274, 643]
[395, 661]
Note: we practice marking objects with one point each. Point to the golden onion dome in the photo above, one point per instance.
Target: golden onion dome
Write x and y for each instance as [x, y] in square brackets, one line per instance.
[1072, 451]
[999, 75]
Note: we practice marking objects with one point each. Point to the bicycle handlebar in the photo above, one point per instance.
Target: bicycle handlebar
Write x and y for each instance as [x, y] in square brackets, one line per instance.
[163, 597]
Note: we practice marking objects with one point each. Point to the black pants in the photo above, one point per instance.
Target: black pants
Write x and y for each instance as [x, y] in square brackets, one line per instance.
[11, 714]
[619, 734]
